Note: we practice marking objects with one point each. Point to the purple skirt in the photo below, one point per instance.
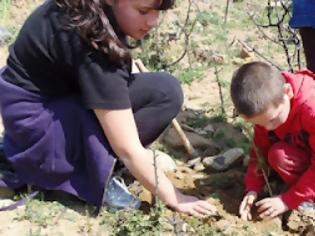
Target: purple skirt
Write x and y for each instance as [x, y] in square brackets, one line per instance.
[55, 144]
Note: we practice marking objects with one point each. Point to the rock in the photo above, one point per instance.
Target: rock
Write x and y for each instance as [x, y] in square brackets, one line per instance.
[181, 227]
[209, 129]
[146, 196]
[200, 131]
[5, 35]
[180, 163]
[199, 167]
[224, 161]
[172, 139]
[226, 135]
[194, 161]
[164, 161]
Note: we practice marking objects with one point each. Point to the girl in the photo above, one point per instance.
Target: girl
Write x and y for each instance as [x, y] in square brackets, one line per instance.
[71, 106]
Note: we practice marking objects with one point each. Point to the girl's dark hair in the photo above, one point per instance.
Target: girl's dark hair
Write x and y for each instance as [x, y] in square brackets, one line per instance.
[96, 24]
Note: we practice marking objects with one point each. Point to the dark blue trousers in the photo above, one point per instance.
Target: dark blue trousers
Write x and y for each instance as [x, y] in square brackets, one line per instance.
[58, 144]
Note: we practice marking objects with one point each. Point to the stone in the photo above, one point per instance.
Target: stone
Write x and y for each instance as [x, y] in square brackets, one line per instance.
[226, 135]
[146, 196]
[209, 129]
[194, 161]
[225, 160]
[199, 167]
[172, 139]
[164, 161]
[5, 35]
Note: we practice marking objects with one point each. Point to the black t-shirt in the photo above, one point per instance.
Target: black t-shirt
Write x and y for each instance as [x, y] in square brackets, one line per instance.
[55, 62]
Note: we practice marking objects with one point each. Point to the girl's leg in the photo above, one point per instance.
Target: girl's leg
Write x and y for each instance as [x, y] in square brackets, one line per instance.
[156, 99]
[55, 145]
[288, 161]
[308, 36]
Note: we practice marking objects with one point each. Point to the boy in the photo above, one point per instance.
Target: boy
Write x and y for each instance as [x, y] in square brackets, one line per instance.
[281, 106]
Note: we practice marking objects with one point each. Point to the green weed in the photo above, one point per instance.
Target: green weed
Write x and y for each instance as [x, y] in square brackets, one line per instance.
[197, 122]
[134, 222]
[189, 75]
[40, 213]
[206, 18]
[36, 232]
[4, 10]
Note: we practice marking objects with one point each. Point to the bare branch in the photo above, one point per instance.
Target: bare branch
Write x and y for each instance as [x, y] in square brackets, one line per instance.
[251, 49]
[285, 35]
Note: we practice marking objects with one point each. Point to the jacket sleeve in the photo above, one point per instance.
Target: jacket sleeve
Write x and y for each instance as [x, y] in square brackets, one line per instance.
[254, 180]
[304, 188]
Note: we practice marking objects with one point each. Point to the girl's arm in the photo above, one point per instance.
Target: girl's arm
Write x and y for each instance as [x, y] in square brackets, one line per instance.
[121, 131]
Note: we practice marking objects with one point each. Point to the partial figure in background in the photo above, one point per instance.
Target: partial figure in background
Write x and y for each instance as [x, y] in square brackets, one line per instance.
[303, 18]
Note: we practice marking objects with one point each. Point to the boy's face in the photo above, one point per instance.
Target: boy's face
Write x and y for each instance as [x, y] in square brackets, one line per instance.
[135, 17]
[274, 116]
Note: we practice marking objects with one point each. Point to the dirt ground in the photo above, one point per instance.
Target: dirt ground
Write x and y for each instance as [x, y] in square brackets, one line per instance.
[224, 189]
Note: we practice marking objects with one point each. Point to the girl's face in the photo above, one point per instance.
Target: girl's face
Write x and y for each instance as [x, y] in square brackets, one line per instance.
[135, 17]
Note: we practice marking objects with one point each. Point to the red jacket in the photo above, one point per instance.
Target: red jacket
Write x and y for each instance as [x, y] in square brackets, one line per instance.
[301, 118]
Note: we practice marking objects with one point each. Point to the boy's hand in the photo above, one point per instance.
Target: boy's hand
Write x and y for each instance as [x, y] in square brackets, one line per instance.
[246, 205]
[271, 207]
[193, 206]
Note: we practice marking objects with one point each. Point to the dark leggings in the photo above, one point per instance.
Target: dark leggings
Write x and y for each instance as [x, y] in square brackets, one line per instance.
[156, 98]
[308, 38]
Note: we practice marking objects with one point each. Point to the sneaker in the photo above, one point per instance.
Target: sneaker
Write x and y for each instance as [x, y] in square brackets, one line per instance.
[117, 196]
[307, 207]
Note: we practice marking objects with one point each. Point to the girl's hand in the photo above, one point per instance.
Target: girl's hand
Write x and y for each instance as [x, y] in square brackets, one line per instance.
[246, 205]
[271, 207]
[193, 206]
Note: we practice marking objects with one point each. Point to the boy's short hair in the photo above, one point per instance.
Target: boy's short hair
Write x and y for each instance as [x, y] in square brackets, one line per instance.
[255, 86]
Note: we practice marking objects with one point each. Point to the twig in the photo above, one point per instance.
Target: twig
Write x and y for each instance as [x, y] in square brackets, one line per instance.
[267, 182]
[282, 29]
[156, 191]
[216, 72]
[250, 49]
[260, 157]
[226, 11]
[187, 35]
